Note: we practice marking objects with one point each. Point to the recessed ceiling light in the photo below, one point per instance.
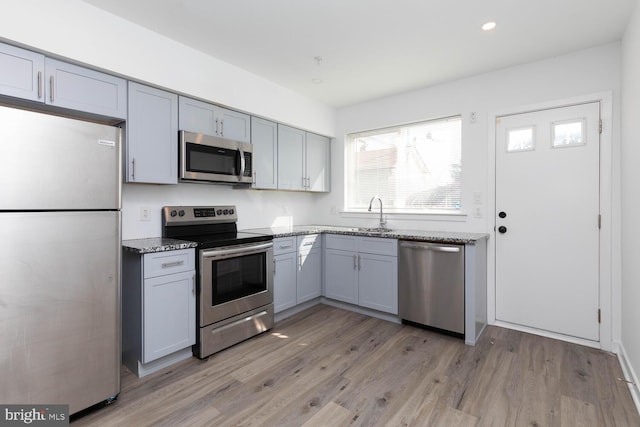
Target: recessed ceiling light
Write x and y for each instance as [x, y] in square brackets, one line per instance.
[317, 81]
[488, 26]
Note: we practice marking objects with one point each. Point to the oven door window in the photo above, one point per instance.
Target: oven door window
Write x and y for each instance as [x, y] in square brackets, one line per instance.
[238, 277]
[207, 159]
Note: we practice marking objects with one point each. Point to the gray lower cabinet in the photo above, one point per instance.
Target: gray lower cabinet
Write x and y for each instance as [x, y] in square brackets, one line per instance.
[158, 309]
[152, 136]
[209, 119]
[34, 77]
[297, 270]
[362, 271]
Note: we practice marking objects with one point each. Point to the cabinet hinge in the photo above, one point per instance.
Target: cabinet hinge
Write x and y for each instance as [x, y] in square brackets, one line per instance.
[599, 221]
[599, 316]
[600, 126]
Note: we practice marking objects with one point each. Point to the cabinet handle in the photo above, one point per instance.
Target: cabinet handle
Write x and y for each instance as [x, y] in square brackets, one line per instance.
[285, 246]
[355, 262]
[221, 127]
[193, 284]
[359, 263]
[51, 88]
[307, 244]
[172, 264]
[300, 261]
[39, 84]
[133, 169]
[304, 182]
[255, 177]
[217, 123]
[274, 267]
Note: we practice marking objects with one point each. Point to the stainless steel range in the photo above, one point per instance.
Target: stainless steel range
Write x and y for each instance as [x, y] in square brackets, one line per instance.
[234, 274]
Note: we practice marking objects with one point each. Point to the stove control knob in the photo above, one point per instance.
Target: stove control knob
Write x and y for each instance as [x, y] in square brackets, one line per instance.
[219, 211]
[173, 213]
[225, 211]
[181, 213]
[230, 211]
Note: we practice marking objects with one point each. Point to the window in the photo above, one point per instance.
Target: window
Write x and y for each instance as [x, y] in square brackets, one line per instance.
[412, 168]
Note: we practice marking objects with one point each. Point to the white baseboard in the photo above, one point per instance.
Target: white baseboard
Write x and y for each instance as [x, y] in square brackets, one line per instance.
[543, 333]
[629, 375]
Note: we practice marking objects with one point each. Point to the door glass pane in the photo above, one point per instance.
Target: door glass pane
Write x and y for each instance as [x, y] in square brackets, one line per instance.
[520, 139]
[568, 133]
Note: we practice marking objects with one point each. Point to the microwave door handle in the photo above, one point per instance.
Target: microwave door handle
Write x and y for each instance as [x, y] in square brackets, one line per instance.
[242, 164]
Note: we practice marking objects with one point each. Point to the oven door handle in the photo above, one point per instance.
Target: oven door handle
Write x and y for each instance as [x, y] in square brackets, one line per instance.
[245, 250]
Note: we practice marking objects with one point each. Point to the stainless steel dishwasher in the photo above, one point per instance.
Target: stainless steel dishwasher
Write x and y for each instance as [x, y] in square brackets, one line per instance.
[431, 285]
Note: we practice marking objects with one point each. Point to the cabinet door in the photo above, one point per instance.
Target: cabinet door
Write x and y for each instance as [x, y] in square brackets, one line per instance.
[341, 276]
[197, 116]
[264, 138]
[378, 282]
[152, 136]
[21, 73]
[290, 158]
[169, 314]
[309, 275]
[234, 125]
[318, 160]
[284, 281]
[78, 88]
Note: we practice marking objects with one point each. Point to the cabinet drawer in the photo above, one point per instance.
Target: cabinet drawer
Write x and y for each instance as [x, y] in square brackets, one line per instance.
[378, 245]
[341, 242]
[309, 242]
[170, 262]
[284, 245]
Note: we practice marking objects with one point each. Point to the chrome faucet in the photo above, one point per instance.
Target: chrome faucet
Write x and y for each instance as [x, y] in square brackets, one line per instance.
[383, 221]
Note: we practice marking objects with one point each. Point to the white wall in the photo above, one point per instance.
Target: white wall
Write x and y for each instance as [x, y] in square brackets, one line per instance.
[631, 195]
[576, 74]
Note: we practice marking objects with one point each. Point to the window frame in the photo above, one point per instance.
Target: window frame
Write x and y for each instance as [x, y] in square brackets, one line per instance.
[351, 138]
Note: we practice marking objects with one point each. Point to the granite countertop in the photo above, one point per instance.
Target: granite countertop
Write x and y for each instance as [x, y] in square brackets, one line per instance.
[416, 235]
[156, 244]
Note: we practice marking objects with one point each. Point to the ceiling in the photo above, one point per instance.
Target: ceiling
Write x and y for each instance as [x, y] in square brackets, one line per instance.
[374, 48]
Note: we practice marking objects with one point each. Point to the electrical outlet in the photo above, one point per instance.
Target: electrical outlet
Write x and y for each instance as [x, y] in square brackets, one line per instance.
[144, 214]
[334, 210]
[477, 211]
[477, 198]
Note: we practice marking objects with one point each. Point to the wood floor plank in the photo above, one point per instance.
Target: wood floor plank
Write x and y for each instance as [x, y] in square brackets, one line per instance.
[327, 366]
[331, 415]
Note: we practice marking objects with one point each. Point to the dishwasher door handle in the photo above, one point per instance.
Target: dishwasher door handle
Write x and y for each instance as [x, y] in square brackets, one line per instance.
[429, 247]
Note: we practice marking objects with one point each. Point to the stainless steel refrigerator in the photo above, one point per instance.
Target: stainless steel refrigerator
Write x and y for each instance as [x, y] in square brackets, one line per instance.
[60, 239]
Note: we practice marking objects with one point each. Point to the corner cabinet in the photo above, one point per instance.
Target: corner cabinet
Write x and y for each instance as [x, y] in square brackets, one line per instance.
[362, 271]
[152, 136]
[303, 160]
[264, 138]
[34, 77]
[201, 117]
[158, 309]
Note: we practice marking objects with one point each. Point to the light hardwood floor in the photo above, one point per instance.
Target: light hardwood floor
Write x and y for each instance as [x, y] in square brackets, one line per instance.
[330, 367]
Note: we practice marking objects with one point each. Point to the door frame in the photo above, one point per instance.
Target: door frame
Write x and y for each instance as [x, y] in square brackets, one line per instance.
[609, 280]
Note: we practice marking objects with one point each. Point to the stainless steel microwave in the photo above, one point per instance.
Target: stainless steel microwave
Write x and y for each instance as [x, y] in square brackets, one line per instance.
[210, 158]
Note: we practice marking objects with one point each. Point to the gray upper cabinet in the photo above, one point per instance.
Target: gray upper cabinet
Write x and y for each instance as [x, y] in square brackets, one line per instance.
[78, 88]
[32, 76]
[152, 136]
[21, 73]
[201, 117]
[291, 156]
[318, 160]
[264, 138]
[303, 160]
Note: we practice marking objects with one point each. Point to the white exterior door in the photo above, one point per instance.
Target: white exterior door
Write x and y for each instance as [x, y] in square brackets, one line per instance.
[547, 220]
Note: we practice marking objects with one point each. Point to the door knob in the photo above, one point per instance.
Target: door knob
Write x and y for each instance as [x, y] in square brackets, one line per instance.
[502, 229]
[502, 214]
